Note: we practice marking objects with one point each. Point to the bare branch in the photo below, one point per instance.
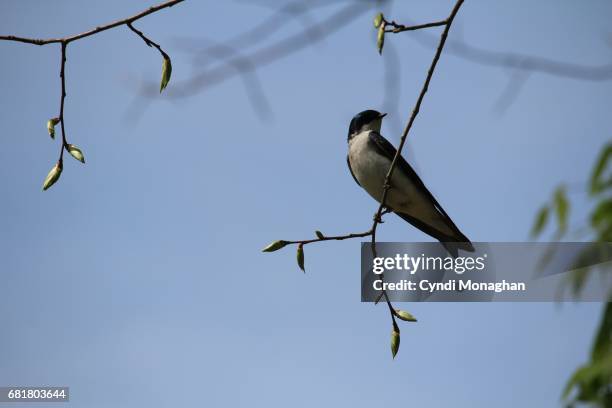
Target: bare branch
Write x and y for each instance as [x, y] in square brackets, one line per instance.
[54, 175]
[147, 40]
[64, 143]
[333, 238]
[398, 28]
[99, 29]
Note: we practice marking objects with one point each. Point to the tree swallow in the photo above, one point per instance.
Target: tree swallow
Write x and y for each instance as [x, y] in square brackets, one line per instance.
[369, 158]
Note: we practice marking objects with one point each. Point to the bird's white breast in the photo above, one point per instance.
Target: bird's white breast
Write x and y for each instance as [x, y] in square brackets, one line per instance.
[370, 169]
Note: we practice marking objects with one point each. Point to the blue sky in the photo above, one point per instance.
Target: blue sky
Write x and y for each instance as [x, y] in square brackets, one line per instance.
[138, 279]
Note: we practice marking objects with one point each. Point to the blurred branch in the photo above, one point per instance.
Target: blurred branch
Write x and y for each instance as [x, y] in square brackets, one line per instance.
[245, 64]
[516, 63]
[531, 63]
[512, 60]
[387, 186]
[516, 81]
[519, 66]
[206, 52]
[56, 171]
[244, 67]
[298, 10]
[280, 49]
[392, 84]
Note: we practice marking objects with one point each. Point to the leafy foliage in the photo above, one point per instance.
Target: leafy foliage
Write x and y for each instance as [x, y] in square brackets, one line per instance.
[540, 221]
[592, 382]
[561, 208]
[599, 182]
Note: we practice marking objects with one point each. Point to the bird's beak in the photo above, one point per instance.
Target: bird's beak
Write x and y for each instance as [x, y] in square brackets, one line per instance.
[382, 115]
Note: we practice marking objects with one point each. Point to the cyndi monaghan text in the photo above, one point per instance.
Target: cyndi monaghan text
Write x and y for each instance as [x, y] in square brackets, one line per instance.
[451, 285]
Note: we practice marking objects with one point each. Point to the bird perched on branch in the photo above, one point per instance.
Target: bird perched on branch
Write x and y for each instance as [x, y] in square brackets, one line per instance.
[369, 159]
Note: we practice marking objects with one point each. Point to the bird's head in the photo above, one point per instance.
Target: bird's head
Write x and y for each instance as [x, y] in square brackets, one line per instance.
[364, 121]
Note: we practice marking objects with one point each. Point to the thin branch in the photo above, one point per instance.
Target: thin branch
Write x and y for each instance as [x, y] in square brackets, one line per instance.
[148, 41]
[64, 144]
[99, 29]
[334, 238]
[321, 237]
[398, 28]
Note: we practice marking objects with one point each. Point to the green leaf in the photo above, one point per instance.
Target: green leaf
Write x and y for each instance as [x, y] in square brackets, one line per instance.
[405, 316]
[319, 234]
[380, 38]
[53, 176]
[395, 341]
[592, 382]
[561, 208]
[597, 184]
[540, 221]
[576, 280]
[51, 126]
[576, 379]
[378, 19]
[605, 235]
[300, 257]
[76, 153]
[166, 72]
[602, 345]
[601, 217]
[275, 246]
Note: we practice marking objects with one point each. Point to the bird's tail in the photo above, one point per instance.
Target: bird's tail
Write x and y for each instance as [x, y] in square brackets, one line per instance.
[452, 243]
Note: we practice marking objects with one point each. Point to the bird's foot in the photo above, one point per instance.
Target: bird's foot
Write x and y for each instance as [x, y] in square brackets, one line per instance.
[386, 210]
[378, 217]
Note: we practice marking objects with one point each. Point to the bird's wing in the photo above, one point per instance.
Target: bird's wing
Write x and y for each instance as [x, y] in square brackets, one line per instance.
[351, 170]
[451, 243]
[386, 149]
